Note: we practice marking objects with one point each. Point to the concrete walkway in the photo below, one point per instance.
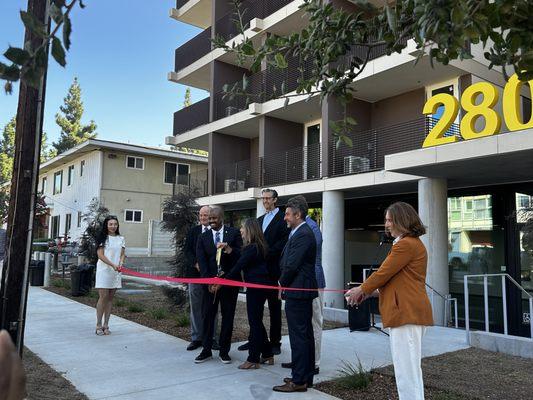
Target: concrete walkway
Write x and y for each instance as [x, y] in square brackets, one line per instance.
[136, 362]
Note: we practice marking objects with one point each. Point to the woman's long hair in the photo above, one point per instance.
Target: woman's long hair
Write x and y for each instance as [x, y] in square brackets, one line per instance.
[406, 219]
[104, 233]
[254, 234]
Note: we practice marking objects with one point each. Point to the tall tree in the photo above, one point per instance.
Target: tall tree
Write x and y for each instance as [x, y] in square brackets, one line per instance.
[69, 120]
[47, 152]
[7, 149]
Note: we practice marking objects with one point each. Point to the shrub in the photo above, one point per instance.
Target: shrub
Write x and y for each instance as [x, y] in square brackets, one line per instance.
[159, 313]
[60, 283]
[176, 295]
[353, 376]
[182, 320]
[120, 302]
[135, 308]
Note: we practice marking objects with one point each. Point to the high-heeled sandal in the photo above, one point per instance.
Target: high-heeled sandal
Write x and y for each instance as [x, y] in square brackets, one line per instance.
[267, 360]
[99, 331]
[106, 330]
[249, 365]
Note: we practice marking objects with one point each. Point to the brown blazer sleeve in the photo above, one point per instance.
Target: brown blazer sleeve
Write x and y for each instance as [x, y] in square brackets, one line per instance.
[398, 258]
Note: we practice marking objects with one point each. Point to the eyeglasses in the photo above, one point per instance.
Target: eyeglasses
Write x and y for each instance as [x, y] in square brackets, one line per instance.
[267, 198]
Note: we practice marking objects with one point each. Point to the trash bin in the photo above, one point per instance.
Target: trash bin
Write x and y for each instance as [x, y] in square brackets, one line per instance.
[36, 273]
[81, 277]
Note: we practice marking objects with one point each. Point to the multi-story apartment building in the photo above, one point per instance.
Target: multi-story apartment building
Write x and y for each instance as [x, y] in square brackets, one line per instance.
[256, 142]
[131, 181]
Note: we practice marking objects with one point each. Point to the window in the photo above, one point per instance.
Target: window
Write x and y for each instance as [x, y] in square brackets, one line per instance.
[58, 182]
[70, 175]
[183, 174]
[176, 173]
[79, 219]
[68, 223]
[134, 162]
[43, 185]
[54, 231]
[82, 167]
[170, 172]
[133, 216]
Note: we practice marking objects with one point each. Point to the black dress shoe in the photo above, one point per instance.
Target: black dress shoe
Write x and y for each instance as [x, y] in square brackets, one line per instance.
[226, 359]
[286, 365]
[215, 346]
[290, 387]
[194, 345]
[288, 380]
[276, 349]
[203, 356]
[244, 347]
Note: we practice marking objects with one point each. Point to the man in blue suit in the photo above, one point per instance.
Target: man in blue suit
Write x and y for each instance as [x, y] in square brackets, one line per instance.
[298, 271]
[227, 241]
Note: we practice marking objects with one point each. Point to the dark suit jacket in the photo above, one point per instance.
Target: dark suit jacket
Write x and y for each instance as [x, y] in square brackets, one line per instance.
[206, 252]
[190, 250]
[276, 235]
[253, 264]
[298, 264]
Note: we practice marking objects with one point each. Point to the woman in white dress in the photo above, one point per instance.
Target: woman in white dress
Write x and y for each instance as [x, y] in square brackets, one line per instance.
[110, 252]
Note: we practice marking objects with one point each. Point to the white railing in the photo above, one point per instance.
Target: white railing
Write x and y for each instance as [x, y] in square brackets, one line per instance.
[448, 300]
[486, 302]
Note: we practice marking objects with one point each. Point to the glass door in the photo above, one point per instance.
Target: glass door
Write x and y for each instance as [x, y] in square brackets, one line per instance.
[523, 255]
[312, 152]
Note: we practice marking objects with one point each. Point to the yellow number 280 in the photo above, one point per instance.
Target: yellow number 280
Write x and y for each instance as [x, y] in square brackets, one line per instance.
[475, 110]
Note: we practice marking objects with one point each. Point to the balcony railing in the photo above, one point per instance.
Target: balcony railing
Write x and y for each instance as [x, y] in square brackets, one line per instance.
[193, 50]
[191, 117]
[299, 164]
[371, 146]
[294, 165]
[226, 27]
[236, 177]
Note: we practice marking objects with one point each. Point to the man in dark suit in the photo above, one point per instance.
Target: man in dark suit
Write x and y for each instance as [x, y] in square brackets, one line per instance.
[276, 234]
[196, 292]
[298, 271]
[227, 242]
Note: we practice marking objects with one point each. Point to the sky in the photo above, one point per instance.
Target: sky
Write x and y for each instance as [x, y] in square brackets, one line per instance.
[121, 52]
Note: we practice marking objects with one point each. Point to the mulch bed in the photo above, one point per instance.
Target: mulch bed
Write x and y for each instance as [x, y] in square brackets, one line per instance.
[470, 374]
[44, 383]
[173, 322]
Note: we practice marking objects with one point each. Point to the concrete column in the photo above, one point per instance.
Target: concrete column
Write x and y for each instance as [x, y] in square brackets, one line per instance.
[333, 246]
[432, 208]
[260, 208]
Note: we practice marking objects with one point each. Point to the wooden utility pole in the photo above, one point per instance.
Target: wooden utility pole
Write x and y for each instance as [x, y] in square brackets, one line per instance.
[14, 288]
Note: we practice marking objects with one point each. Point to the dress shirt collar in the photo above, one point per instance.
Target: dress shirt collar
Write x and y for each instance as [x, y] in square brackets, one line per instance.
[205, 228]
[220, 231]
[396, 240]
[295, 229]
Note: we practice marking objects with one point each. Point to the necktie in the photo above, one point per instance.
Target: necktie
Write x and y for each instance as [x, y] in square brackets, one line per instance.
[217, 237]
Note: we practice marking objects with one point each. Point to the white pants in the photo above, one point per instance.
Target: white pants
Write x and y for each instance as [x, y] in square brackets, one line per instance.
[406, 349]
[318, 320]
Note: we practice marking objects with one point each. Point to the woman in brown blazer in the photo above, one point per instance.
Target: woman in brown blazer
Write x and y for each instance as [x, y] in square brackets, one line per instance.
[403, 302]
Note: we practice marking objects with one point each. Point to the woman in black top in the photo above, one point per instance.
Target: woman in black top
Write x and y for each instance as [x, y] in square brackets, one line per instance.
[253, 265]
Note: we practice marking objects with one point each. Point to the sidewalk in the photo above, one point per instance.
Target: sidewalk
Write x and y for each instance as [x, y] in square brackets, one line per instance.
[136, 362]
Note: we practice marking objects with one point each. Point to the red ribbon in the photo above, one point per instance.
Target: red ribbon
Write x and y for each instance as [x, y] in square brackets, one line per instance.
[220, 281]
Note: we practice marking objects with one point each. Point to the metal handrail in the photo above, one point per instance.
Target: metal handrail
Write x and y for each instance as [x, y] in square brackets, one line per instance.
[447, 298]
[486, 302]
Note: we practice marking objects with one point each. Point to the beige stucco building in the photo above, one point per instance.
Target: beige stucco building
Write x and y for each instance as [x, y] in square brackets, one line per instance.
[131, 181]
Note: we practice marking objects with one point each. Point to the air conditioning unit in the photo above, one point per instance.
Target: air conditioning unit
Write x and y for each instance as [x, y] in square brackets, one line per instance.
[233, 185]
[355, 165]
